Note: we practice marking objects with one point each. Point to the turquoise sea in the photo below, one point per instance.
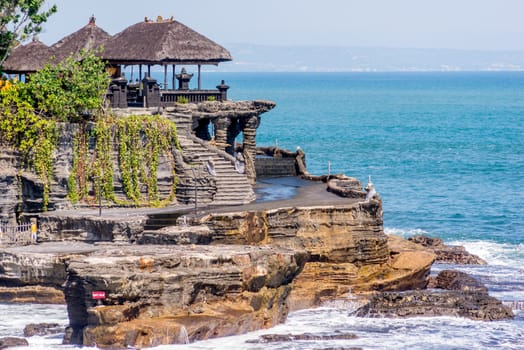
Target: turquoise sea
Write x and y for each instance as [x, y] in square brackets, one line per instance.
[445, 150]
[446, 153]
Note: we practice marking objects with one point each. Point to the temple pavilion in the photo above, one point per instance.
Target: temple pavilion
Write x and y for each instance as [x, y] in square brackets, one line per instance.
[161, 42]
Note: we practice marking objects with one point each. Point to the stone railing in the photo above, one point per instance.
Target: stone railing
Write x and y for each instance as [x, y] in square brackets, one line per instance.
[120, 94]
[169, 98]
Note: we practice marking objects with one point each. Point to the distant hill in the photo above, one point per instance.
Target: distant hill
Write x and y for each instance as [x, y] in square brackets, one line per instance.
[253, 58]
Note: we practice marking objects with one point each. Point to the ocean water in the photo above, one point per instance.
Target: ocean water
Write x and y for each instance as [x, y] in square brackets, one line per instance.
[446, 153]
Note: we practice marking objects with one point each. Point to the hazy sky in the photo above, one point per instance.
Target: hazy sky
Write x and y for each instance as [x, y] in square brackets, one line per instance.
[455, 24]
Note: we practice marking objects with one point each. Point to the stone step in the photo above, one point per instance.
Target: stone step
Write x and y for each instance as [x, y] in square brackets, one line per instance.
[232, 187]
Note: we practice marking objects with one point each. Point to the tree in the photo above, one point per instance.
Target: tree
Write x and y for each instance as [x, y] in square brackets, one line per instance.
[70, 90]
[18, 20]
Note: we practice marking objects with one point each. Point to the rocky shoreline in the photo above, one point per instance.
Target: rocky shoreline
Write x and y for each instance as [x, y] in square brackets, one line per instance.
[215, 262]
[227, 272]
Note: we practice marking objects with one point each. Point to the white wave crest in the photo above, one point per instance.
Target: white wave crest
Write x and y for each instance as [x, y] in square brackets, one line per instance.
[504, 254]
[405, 232]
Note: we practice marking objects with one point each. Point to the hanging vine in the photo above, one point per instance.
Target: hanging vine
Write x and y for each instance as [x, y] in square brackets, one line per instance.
[139, 143]
[32, 135]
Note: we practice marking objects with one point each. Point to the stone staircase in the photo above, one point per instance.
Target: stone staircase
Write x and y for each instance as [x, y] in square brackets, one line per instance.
[231, 188]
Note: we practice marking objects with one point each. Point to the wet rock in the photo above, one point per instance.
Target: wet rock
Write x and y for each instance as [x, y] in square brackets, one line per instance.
[32, 294]
[446, 253]
[457, 280]
[338, 348]
[277, 338]
[42, 329]
[11, 342]
[473, 305]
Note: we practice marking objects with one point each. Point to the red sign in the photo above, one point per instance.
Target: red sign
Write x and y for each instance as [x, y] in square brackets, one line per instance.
[98, 295]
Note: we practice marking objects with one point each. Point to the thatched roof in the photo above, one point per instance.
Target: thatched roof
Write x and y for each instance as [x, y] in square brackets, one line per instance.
[163, 42]
[27, 58]
[88, 37]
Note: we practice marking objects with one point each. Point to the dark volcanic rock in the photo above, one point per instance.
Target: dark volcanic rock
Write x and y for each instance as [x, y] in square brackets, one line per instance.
[42, 329]
[276, 338]
[457, 280]
[11, 342]
[446, 253]
[473, 305]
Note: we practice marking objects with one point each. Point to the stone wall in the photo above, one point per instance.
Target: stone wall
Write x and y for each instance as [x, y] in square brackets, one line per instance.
[275, 167]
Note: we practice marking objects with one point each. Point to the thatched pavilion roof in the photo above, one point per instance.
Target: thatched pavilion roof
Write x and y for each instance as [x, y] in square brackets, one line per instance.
[88, 37]
[162, 42]
[28, 58]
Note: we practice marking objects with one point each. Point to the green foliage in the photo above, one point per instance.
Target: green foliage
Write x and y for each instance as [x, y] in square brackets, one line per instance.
[142, 140]
[103, 161]
[211, 98]
[35, 137]
[29, 112]
[139, 141]
[18, 20]
[71, 89]
[182, 99]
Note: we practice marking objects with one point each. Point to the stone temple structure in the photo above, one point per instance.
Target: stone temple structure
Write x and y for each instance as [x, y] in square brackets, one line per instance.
[208, 123]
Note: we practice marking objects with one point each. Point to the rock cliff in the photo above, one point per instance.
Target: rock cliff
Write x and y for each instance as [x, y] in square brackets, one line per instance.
[22, 191]
[220, 273]
[447, 254]
[348, 250]
[162, 295]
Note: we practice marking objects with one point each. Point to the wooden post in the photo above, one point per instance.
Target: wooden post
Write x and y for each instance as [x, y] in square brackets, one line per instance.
[173, 81]
[140, 80]
[199, 81]
[165, 76]
[148, 70]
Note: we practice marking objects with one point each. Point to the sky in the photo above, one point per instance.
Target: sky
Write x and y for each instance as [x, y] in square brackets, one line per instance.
[452, 24]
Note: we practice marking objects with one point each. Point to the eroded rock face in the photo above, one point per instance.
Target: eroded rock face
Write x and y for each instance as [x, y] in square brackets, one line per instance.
[162, 295]
[32, 294]
[279, 338]
[336, 234]
[11, 342]
[9, 165]
[89, 228]
[348, 250]
[19, 269]
[42, 329]
[457, 280]
[407, 266]
[453, 293]
[473, 305]
[448, 254]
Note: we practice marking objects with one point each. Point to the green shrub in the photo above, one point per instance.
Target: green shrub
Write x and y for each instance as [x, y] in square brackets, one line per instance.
[182, 99]
[70, 90]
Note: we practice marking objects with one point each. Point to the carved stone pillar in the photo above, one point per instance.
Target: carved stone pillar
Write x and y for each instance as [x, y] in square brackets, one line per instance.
[250, 126]
[221, 126]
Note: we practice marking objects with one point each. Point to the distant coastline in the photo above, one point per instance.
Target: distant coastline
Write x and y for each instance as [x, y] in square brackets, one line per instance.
[260, 58]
